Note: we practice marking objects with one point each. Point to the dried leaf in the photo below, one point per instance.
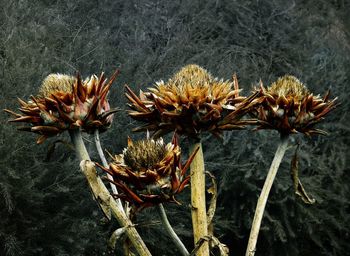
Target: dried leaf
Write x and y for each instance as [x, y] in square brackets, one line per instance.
[214, 192]
[116, 235]
[52, 146]
[298, 187]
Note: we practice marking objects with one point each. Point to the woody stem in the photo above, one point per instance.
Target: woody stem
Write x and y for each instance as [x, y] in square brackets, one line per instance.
[102, 195]
[171, 231]
[198, 205]
[260, 207]
[105, 164]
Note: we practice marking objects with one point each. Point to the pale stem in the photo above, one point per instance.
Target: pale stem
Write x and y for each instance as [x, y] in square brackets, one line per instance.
[171, 231]
[102, 195]
[198, 205]
[105, 164]
[260, 207]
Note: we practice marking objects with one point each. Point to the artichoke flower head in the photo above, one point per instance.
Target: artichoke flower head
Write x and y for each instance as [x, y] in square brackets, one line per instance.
[289, 107]
[190, 103]
[149, 172]
[66, 102]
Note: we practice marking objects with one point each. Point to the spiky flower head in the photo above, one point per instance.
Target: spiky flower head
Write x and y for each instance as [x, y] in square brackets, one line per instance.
[66, 102]
[56, 83]
[289, 107]
[149, 172]
[190, 102]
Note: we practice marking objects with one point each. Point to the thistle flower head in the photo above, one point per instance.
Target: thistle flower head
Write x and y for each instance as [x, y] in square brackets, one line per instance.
[289, 87]
[64, 103]
[191, 74]
[289, 107]
[144, 154]
[56, 83]
[190, 102]
[148, 172]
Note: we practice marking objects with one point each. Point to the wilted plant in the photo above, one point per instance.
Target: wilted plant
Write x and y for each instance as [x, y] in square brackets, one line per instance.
[288, 107]
[150, 172]
[66, 103]
[190, 103]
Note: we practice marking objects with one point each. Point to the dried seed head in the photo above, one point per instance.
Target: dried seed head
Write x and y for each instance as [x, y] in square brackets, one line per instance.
[289, 86]
[144, 154]
[148, 172]
[193, 75]
[56, 83]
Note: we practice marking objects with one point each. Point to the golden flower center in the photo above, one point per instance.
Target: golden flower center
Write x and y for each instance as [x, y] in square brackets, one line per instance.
[144, 154]
[55, 83]
[193, 84]
[289, 87]
[193, 75]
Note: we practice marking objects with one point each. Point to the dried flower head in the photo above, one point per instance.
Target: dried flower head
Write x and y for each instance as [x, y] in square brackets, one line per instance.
[66, 102]
[289, 107]
[56, 83]
[190, 102]
[148, 172]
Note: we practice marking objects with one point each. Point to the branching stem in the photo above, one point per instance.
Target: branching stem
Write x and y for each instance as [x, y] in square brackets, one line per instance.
[102, 195]
[105, 164]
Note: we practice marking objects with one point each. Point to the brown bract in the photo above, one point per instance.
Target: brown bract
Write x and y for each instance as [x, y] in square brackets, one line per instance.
[148, 172]
[289, 107]
[190, 102]
[66, 102]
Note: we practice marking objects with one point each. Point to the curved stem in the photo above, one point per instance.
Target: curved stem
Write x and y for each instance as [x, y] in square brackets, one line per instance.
[199, 216]
[102, 195]
[260, 207]
[105, 164]
[171, 231]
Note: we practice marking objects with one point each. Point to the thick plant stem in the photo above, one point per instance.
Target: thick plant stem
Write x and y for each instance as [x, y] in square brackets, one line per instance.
[260, 207]
[102, 195]
[105, 164]
[171, 231]
[199, 216]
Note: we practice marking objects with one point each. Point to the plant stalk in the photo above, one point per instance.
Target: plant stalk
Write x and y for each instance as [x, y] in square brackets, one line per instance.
[260, 207]
[171, 231]
[105, 164]
[198, 205]
[102, 195]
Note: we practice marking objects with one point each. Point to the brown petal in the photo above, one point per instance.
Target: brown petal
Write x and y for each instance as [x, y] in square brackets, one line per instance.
[189, 161]
[41, 139]
[12, 113]
[134, 99]
[51, 130]
[109, 84]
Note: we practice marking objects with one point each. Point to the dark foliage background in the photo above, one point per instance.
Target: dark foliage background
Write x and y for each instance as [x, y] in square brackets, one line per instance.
[46, 207]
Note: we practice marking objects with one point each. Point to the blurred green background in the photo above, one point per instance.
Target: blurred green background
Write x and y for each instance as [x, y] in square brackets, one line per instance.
[45, 204]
